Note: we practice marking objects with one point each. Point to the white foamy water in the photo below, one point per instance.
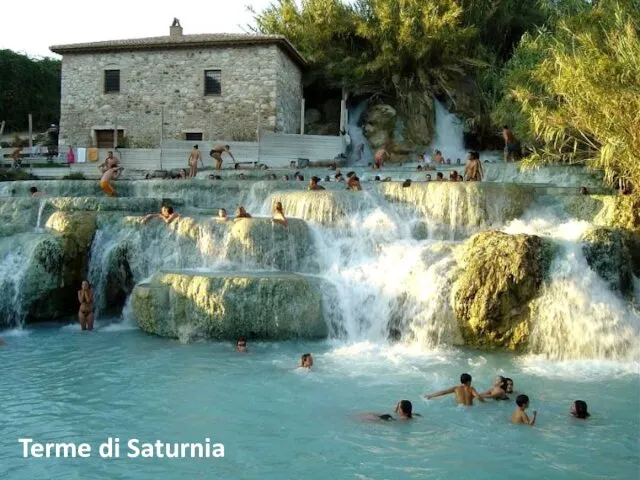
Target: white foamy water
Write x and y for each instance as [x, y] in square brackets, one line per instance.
[360, 152]
[448, 136]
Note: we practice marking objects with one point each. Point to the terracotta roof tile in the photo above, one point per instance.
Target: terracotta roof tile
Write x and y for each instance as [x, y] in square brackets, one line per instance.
[183, 41]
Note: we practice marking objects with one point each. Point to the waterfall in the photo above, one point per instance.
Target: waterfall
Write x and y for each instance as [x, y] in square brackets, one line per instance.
[360, 152]
[448, 136]
[43, 203]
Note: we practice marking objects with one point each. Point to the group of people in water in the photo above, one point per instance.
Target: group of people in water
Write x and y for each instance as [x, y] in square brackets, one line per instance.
[464, 394]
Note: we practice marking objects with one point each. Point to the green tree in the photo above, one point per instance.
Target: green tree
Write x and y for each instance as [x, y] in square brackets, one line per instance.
[575, 91]
[28, 86]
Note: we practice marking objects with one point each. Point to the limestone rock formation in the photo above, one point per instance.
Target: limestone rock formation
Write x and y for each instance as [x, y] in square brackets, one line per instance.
[65, 260]
[259, 241]
[380, 122]
[614, 254]
[188, 305]
[501, 274]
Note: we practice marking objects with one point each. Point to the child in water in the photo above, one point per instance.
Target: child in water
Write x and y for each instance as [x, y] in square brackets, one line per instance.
[579, 409]
[306, 361]
[519, 415]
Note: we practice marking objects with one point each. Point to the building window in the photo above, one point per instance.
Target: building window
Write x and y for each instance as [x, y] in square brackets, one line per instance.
[193, 136]
[111, 81]
[212, 82]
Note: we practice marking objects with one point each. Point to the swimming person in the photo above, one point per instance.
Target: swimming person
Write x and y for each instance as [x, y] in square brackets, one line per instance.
[222, 215]
[508, 385]
[579, 409]
[194, 157]
[519, 415]
[306, 361]
[278, 215]
[404, 409]
[241, 345]
[85, 313]
[406, 183]
[167, 215]
[241, 213]
[439, 177]
[498, 390]
[105, 181]
[465, 393]
[427, 178]
[216, 153]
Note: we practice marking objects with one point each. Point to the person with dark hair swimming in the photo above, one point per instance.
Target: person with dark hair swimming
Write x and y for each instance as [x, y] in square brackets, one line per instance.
[306, 361]
[498, 390]
[465, 393]
[508, 385]
[579, 409]
[519, 416]
[241, 345]
[404, 409]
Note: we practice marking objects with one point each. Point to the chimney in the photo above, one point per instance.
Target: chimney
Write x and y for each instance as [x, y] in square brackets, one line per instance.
[175, 30]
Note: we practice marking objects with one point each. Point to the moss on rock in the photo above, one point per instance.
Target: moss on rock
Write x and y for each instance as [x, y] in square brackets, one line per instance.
[189, 305]
[501, 274]
[613, 253]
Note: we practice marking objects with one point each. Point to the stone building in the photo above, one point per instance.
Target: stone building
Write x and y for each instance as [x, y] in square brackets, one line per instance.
[189, 87]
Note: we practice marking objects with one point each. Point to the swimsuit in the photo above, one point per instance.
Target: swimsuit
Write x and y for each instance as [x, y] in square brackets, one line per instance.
[107, 188]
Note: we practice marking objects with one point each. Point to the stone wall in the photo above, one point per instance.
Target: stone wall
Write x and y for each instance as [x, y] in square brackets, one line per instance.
[288, 94]
[169, 84]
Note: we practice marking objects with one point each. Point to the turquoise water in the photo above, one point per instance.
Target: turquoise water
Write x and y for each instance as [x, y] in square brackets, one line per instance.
[276, 422]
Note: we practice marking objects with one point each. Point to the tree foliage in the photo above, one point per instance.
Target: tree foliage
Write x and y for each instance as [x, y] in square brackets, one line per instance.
[28, 86]
[574, 91]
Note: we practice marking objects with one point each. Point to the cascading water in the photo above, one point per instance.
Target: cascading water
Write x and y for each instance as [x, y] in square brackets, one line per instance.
[360, 152]
[448, 136]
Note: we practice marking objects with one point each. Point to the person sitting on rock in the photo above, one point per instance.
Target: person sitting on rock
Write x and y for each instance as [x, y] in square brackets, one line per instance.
[167, 215]
[35, 193]
[222, 215]
[85, 313]
[497, 390]
[306, 361]
[313, 184]
[278, 215]
[437, 157]
[454, 177]
[241, 345]
[241, 213]
[354, 183]
[464, 392]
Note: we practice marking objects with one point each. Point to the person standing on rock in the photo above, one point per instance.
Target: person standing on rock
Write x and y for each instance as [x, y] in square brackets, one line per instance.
[85, 314]
[105, 181]
[473, 170]
[194, 157]
[216, 153]
[510, 145]
[380, 157]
